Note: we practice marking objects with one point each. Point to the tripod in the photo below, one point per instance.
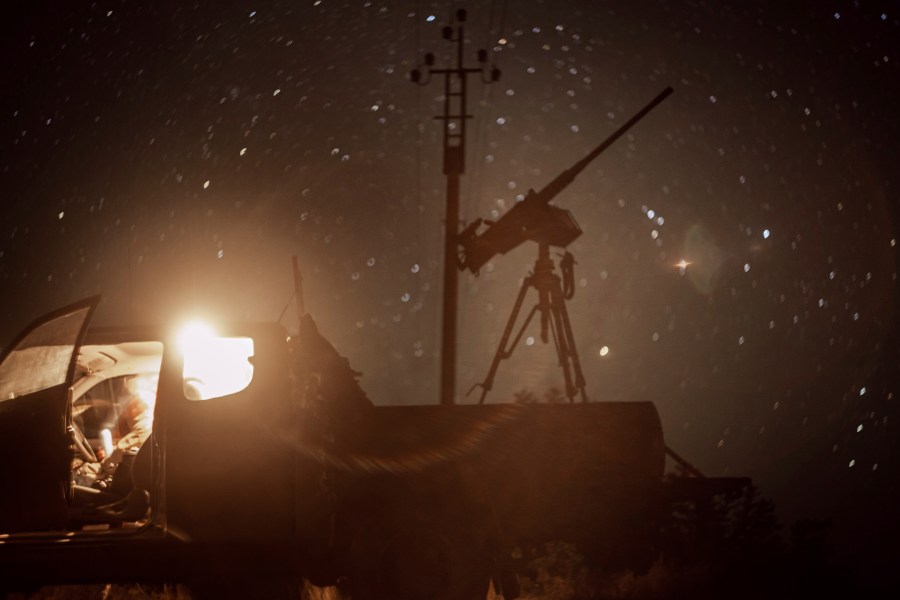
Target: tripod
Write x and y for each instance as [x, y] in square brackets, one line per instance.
[554, 319]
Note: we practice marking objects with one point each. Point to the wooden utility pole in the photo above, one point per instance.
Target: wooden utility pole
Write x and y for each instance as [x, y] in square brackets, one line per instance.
[454, 119]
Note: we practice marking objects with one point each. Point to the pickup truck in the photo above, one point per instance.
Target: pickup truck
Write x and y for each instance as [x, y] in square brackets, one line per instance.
[241, 459]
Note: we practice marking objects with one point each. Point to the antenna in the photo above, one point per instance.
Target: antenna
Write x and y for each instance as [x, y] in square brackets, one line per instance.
[297, 293]
[298, 288]
[454, 119]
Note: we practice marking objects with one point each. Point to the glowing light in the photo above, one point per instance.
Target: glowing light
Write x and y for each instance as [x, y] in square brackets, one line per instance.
[604, 350]
[106, 441]
[144, 387]
[193, 335]
[214, 366]
[766, 234]
[682, 264]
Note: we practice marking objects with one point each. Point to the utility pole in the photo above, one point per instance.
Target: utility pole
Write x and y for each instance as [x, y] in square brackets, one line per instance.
[454, 119]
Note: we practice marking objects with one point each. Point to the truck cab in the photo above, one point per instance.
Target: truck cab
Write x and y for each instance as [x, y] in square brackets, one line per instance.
[132, 444]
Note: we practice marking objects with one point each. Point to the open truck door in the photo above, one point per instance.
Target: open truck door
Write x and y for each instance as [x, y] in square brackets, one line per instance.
[36, 373]
[226, 416]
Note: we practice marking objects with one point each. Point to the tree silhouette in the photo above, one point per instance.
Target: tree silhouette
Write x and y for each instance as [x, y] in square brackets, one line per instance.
[554, 396]
[524, 396]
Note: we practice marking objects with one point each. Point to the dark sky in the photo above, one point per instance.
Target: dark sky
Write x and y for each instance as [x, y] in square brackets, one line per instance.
[173, 156]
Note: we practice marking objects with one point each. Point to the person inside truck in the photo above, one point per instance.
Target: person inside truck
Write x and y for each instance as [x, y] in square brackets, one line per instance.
[131, 428]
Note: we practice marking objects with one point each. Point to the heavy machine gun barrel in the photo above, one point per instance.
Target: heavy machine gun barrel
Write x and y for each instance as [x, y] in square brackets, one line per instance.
[566, 177]
[534, 218]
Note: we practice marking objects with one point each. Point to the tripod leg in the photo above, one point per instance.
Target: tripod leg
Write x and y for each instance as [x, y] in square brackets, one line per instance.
[562, 351]
[545, 303]
[565, 345]
[502, 351]
[566, 328]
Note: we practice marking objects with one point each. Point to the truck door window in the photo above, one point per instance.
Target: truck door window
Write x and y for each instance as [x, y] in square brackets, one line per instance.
[216, 366]
[41, 360]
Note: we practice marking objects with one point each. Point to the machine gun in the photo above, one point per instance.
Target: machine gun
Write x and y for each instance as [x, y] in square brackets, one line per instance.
[535, 219]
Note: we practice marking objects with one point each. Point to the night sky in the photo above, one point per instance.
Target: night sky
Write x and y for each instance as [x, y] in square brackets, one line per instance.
[173, 156]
